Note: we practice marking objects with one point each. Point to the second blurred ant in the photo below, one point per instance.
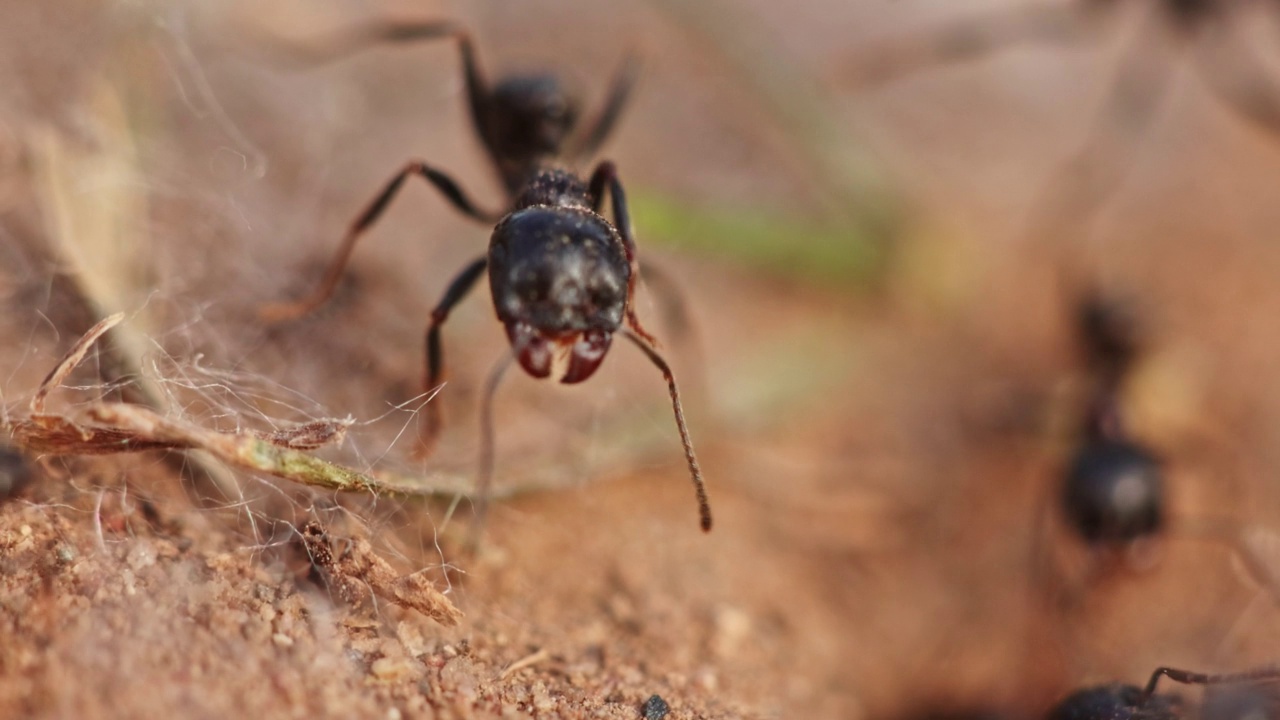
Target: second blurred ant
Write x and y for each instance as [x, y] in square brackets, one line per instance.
[1119, 701]
[562, 277]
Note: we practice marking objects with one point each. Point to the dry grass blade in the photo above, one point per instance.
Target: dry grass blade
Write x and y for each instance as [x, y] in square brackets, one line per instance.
[110, 428]
[355, 571]
[71, 360]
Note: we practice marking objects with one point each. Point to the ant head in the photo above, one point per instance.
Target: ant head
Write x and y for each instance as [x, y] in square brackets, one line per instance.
[1113, 492]
[1110, 333]
[1115, 702]
[560, 278]
[529, 116]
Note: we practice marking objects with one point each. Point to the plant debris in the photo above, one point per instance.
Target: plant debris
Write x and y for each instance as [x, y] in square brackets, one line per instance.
[111, 428]
[356, 572]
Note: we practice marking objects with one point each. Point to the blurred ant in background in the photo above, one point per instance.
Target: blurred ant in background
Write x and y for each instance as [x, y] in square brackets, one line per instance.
[1113, 488]
[562, 277]
[1211, 30]
[1112, 494]
[1234, 696]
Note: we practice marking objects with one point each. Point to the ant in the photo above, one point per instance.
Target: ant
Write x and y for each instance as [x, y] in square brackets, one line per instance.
[1118, 701]
[1113, 487]
[1112, 493]
[1212, 31]
[562, 276]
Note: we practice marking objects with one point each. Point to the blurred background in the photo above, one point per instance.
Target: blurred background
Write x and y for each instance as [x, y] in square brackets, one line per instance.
[882, 250]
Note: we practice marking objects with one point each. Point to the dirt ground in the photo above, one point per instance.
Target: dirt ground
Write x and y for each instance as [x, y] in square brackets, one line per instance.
[881, 451]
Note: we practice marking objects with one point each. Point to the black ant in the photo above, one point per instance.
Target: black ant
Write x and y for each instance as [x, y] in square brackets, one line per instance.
[562, 277]
[1113, 489]
[1112, 494]
[1118, 701]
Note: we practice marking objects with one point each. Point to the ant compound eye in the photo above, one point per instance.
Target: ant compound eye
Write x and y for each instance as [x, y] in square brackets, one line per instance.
[587, 354]
[531, 349]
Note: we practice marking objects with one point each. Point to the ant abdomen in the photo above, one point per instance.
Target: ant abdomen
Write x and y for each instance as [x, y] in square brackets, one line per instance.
[1114, 492]
[529, 117]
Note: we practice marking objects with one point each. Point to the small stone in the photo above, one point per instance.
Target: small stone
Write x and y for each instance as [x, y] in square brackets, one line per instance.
[655, 708]
[281, 640]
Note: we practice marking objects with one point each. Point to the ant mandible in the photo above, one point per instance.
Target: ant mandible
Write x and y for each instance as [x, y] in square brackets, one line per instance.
[562, 276]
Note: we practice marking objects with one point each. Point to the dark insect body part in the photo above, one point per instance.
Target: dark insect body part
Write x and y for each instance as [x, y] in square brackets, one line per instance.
[1114, 492]
[1110, 334]
[1233, 696]
[1113, 488]
[562, 276]
[1116, 702]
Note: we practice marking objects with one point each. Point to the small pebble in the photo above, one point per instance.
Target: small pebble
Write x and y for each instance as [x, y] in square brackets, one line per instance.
[655, 708]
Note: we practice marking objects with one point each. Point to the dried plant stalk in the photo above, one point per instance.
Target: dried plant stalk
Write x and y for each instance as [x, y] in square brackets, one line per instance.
[109, 428]
[356, 571]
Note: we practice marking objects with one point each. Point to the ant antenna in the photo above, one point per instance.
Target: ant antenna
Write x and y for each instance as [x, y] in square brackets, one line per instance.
[700, 488]
[1261, 674]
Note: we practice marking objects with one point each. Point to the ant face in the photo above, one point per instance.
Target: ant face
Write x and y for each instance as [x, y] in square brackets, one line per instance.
[559, 278]
[1114, 492]
[530, 116]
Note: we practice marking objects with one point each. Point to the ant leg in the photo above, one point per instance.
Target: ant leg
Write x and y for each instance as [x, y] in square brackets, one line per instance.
[457, 290]
[675, 311]
[1262, 674]
[484, 475]
[351, 40]
[971, 39]
[280, 312]
[354, 40]
[606, 173]
[699, 487]
[477, 87]
[1238, 77]
[600, 127]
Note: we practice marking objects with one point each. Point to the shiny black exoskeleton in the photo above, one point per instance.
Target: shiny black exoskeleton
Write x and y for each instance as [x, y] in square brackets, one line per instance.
[560, 279]
[1116, 702]
[1114, 492]
[562, 276]
[1113, 487]
[1232, 696]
